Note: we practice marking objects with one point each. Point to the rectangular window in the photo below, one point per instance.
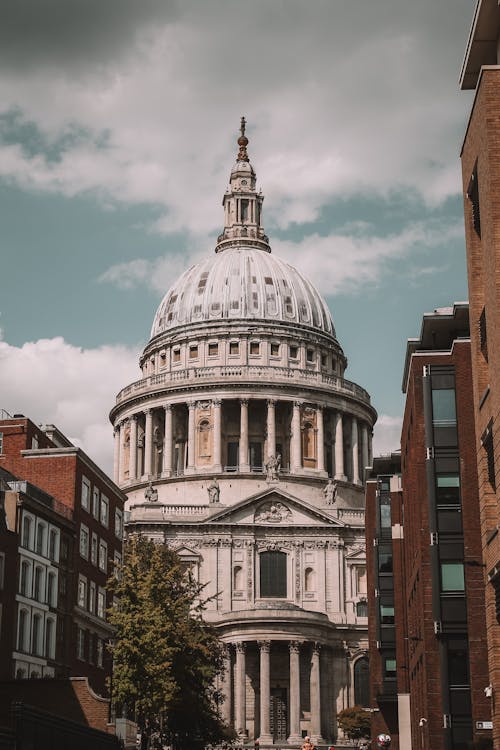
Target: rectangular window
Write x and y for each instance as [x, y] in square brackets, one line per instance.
[80, 644]
[487, 443]
[448, 489]
[275, 350]
[1, 442]
[2, 569]
[93, 549]
[390, 667]
[443, 407]
[84, 542]
[85, 494]
[273, 574]
[213, 349]
[104, 511]
[176, 355]
[100, 652]
[386, 614]
[82, 592]
[234, 347]
[452, 576]
[193, 352]
[40, 538]
[95, 503]
[483, 339]
[117, 561]
[310, 355]
[254, 347]
[53, 545]
[92, 593]
[101, 603]
[103, 556]
[294, 352]
[118, 523]
[385, 558]
[385, 511]
[458, 662]
[473, 196]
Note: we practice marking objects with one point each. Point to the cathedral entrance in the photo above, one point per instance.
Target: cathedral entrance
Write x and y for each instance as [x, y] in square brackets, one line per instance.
[278, 715]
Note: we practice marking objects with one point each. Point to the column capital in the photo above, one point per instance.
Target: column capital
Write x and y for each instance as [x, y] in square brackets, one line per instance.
[217, 402]
[271, 401]
[191, 405]
[244, 401]
[316, 647]
[167, 407]
[294, 647]
[148, 412]
[264, 646]
[298, 404]
[240, 647]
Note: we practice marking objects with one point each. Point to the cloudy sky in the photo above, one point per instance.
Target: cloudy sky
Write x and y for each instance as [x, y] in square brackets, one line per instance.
[118, 127]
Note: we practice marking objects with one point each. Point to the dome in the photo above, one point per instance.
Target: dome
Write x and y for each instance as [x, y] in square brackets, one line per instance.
[242, 284]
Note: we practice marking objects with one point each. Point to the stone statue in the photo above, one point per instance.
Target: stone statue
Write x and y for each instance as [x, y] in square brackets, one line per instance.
[151, 493]
[213, 490]
[273, 467]
[330, 491]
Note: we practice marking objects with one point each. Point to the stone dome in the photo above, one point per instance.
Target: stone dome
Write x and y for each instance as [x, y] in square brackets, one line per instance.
[243, 283]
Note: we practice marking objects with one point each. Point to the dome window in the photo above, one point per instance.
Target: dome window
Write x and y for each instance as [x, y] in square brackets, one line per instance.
[215, 306]
[275, 350]
[268, 280]
[213, 349]
[176, 355]
[234, 347]
[323, 360]
[288, 306]
[254, 347]
[197, 309]
[193, 351]
[294, 352]
[310, 355]
[235, 305]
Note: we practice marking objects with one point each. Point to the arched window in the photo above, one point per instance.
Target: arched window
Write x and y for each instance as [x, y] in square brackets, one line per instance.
[309, 580]
[49, 639]
[204, 438]
[51, 590]
[53, 537]
[273, 575]
[40, 539]
[38, 587]
[238, 578]
[308, 440]
[360, 579]
[25, 578]
[22, 632]
[26, 532]
[37, 635]
[361, 682]
[362, 609]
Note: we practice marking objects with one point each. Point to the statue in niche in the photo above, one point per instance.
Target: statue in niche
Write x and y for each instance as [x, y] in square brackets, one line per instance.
[330, 491]
[273, 467]
[273, 513]
[151, 493]
[213, 490]
[158, 449]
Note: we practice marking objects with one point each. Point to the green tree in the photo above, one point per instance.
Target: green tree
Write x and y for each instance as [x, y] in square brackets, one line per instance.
[165, 657]
[355, 722]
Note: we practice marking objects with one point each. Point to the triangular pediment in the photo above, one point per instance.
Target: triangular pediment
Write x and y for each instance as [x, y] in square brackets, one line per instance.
[186, 552]
[356, 553]
[273, 508]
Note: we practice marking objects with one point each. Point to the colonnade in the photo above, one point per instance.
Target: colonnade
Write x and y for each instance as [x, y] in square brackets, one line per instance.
[349, 440]
[263, 708]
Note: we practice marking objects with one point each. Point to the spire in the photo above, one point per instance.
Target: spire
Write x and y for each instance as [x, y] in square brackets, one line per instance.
[243, 142]
[242, 204]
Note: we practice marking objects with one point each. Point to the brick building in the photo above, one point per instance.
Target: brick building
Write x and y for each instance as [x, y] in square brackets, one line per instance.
[426, 578]
[481, 189]
[387, 631]
[67, 516]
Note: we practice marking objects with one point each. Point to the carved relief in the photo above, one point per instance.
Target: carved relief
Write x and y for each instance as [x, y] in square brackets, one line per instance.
[273, 513]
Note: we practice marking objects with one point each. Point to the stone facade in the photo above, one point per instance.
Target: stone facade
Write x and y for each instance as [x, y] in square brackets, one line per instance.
[245, 448]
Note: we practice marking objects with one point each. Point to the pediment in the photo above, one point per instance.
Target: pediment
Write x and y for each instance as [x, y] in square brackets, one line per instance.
[356, 553]
[273, 508]
[186, 552]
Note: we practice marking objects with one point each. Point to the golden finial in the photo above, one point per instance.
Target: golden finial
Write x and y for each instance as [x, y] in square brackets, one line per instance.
[242, 142]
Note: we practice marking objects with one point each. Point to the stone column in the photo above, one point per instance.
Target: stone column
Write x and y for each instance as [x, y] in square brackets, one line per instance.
[244, 464]
[295, 735]
[167, 442]
[354, 448]
[117, 435]
[370, 448]
[315, 692]
[240, 693]
[364, 449]
[132, 471]
[321, 439]
[339, 448]
[191, 439]
[217, 404]
[148, 442]
[226, 688]
[265, 693]
[271, 429]
[296, 462]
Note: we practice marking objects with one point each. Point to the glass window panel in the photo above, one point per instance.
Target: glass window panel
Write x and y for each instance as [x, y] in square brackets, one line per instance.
[443, 406]
[452, 576]
[387, 614]
[448, 489]
[273, 574]
[385, 512]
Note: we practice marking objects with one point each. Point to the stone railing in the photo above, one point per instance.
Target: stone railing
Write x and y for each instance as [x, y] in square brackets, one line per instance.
[250, 373]
[351, 515]
[158, 510]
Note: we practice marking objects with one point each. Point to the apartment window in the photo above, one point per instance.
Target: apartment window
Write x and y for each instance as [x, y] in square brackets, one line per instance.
[483, 339]
[234, 347]
[275, 350]
[84, 542]
[22, 633]
[386, 614]
[118, 523]
[444, 416]
[193, 351]
[100, 652]
[92, 593]
[294, 352]
[117, 561]
[38, 586]
[443, 406]
[80, 644]
[103, 556]
[51, 590]
[92, 638]
[34, 442]
[385, 511]
[27, 527]
[458, 662]
[93, 549]
[2, 569]
[385, 558]
[49, 639]
[487, 443]
[390, 667]
[473, 195]
[452, 576]
[1, 442]
[85, 494]
[82, 592]
[273, 582]
[213, 349]
[40, 538]
[254, 347]
[53, 545]
[25, 578]
[37, 635]
[101, 603]
[176, 355]
[95, 503]
[104, 511]
[448, 489]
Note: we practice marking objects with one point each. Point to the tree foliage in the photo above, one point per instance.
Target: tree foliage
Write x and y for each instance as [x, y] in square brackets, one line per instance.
[355, 722]
[165, 657]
